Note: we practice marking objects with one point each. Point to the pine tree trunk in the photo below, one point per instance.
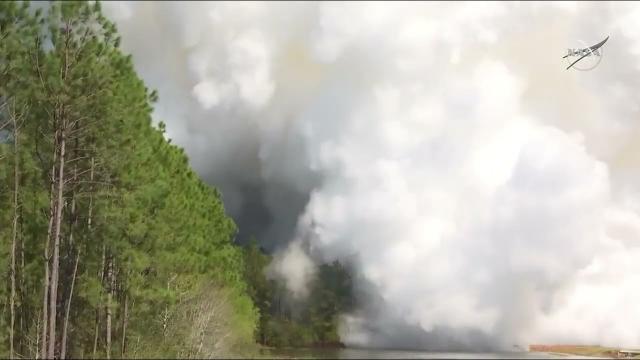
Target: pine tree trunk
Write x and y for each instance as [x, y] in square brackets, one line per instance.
[96, 332]
[24, 309]
[37, 349]
[66, 314]
[108, 307]
[72, 225]
[55, 264]
[125, 319]
[45, 290]
[101, 272]
[16, 178]
[97, 328]
[45, 298]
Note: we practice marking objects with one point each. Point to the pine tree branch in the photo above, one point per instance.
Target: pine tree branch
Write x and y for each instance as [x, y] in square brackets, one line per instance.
[81, 44]
[37, 65]
[72, 181]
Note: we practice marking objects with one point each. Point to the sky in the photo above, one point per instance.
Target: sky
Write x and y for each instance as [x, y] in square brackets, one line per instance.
[485, 195]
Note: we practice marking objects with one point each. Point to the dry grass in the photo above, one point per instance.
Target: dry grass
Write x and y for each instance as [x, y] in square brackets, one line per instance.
[595, 351]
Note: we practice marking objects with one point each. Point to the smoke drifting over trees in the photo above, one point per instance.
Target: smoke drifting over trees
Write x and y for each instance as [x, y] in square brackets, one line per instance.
[483, 193]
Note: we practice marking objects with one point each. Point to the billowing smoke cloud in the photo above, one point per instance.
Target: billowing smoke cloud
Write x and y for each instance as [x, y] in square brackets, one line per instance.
[485, 195]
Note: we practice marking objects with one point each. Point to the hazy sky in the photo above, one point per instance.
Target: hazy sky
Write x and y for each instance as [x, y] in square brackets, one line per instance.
[484, 193]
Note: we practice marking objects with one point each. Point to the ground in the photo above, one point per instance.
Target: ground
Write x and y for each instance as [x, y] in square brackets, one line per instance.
[592, 350]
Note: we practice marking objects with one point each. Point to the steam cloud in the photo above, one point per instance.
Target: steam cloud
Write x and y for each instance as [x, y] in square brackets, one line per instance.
[485, 195]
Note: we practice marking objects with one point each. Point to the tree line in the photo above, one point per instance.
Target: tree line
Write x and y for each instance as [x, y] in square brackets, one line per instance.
[311, 322]
[112, 245]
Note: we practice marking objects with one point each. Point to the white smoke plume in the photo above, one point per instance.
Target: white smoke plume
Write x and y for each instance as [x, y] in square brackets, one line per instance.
[486, 195]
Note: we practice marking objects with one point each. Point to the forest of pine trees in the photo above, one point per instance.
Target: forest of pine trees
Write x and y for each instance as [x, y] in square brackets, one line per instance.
[113, 247]
[110, 245]
[312, 322]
